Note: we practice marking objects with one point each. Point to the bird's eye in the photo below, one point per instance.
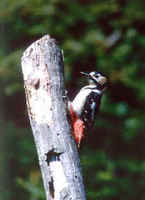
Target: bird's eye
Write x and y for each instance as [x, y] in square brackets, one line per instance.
[97, 75]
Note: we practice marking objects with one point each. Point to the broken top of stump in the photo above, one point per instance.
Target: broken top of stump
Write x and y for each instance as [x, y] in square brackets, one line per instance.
[37, 61]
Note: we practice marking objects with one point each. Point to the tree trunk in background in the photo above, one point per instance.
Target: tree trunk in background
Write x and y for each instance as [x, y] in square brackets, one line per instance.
[3, 160]
[42, 66]
[4, 167]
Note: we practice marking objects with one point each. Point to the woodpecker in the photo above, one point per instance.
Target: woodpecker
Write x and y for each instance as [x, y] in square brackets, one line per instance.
[85, 105]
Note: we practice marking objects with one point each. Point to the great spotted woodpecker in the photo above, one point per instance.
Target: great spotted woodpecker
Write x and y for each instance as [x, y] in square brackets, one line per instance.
[85, 105]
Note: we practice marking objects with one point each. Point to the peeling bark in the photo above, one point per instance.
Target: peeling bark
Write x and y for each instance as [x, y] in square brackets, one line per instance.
[42, 66]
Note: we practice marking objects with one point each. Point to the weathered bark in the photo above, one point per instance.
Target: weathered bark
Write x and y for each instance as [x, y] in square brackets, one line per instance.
[42, 66]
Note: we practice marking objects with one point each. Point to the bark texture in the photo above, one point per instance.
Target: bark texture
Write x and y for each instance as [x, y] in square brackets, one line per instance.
[42, 66]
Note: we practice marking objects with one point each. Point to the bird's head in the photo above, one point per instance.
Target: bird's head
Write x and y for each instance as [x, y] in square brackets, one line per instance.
[96, 78]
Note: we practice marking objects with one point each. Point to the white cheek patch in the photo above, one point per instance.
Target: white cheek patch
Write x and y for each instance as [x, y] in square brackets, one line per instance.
[102, 80]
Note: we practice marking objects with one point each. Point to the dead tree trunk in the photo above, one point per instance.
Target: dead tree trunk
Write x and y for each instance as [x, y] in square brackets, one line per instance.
[42, 66]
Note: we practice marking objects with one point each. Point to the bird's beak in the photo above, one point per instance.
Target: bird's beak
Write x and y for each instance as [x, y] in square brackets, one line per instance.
[86, 74]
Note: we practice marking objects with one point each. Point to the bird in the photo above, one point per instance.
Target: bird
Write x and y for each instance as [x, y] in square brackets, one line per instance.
[85, 105]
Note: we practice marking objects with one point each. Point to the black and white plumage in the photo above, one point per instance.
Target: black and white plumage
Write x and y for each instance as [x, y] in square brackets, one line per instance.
[87, 101]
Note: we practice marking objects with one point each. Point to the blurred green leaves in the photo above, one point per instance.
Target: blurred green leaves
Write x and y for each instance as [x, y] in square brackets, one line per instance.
[106, 36]
[111, 177]
[35, 190]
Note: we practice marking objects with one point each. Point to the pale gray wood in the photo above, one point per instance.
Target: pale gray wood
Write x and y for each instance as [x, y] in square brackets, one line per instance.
[42, 66]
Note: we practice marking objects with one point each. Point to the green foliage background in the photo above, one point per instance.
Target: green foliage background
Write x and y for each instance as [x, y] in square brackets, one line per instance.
[106, 36]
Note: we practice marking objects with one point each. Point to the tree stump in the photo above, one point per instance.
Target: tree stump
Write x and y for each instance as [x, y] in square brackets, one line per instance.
[42, 67]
